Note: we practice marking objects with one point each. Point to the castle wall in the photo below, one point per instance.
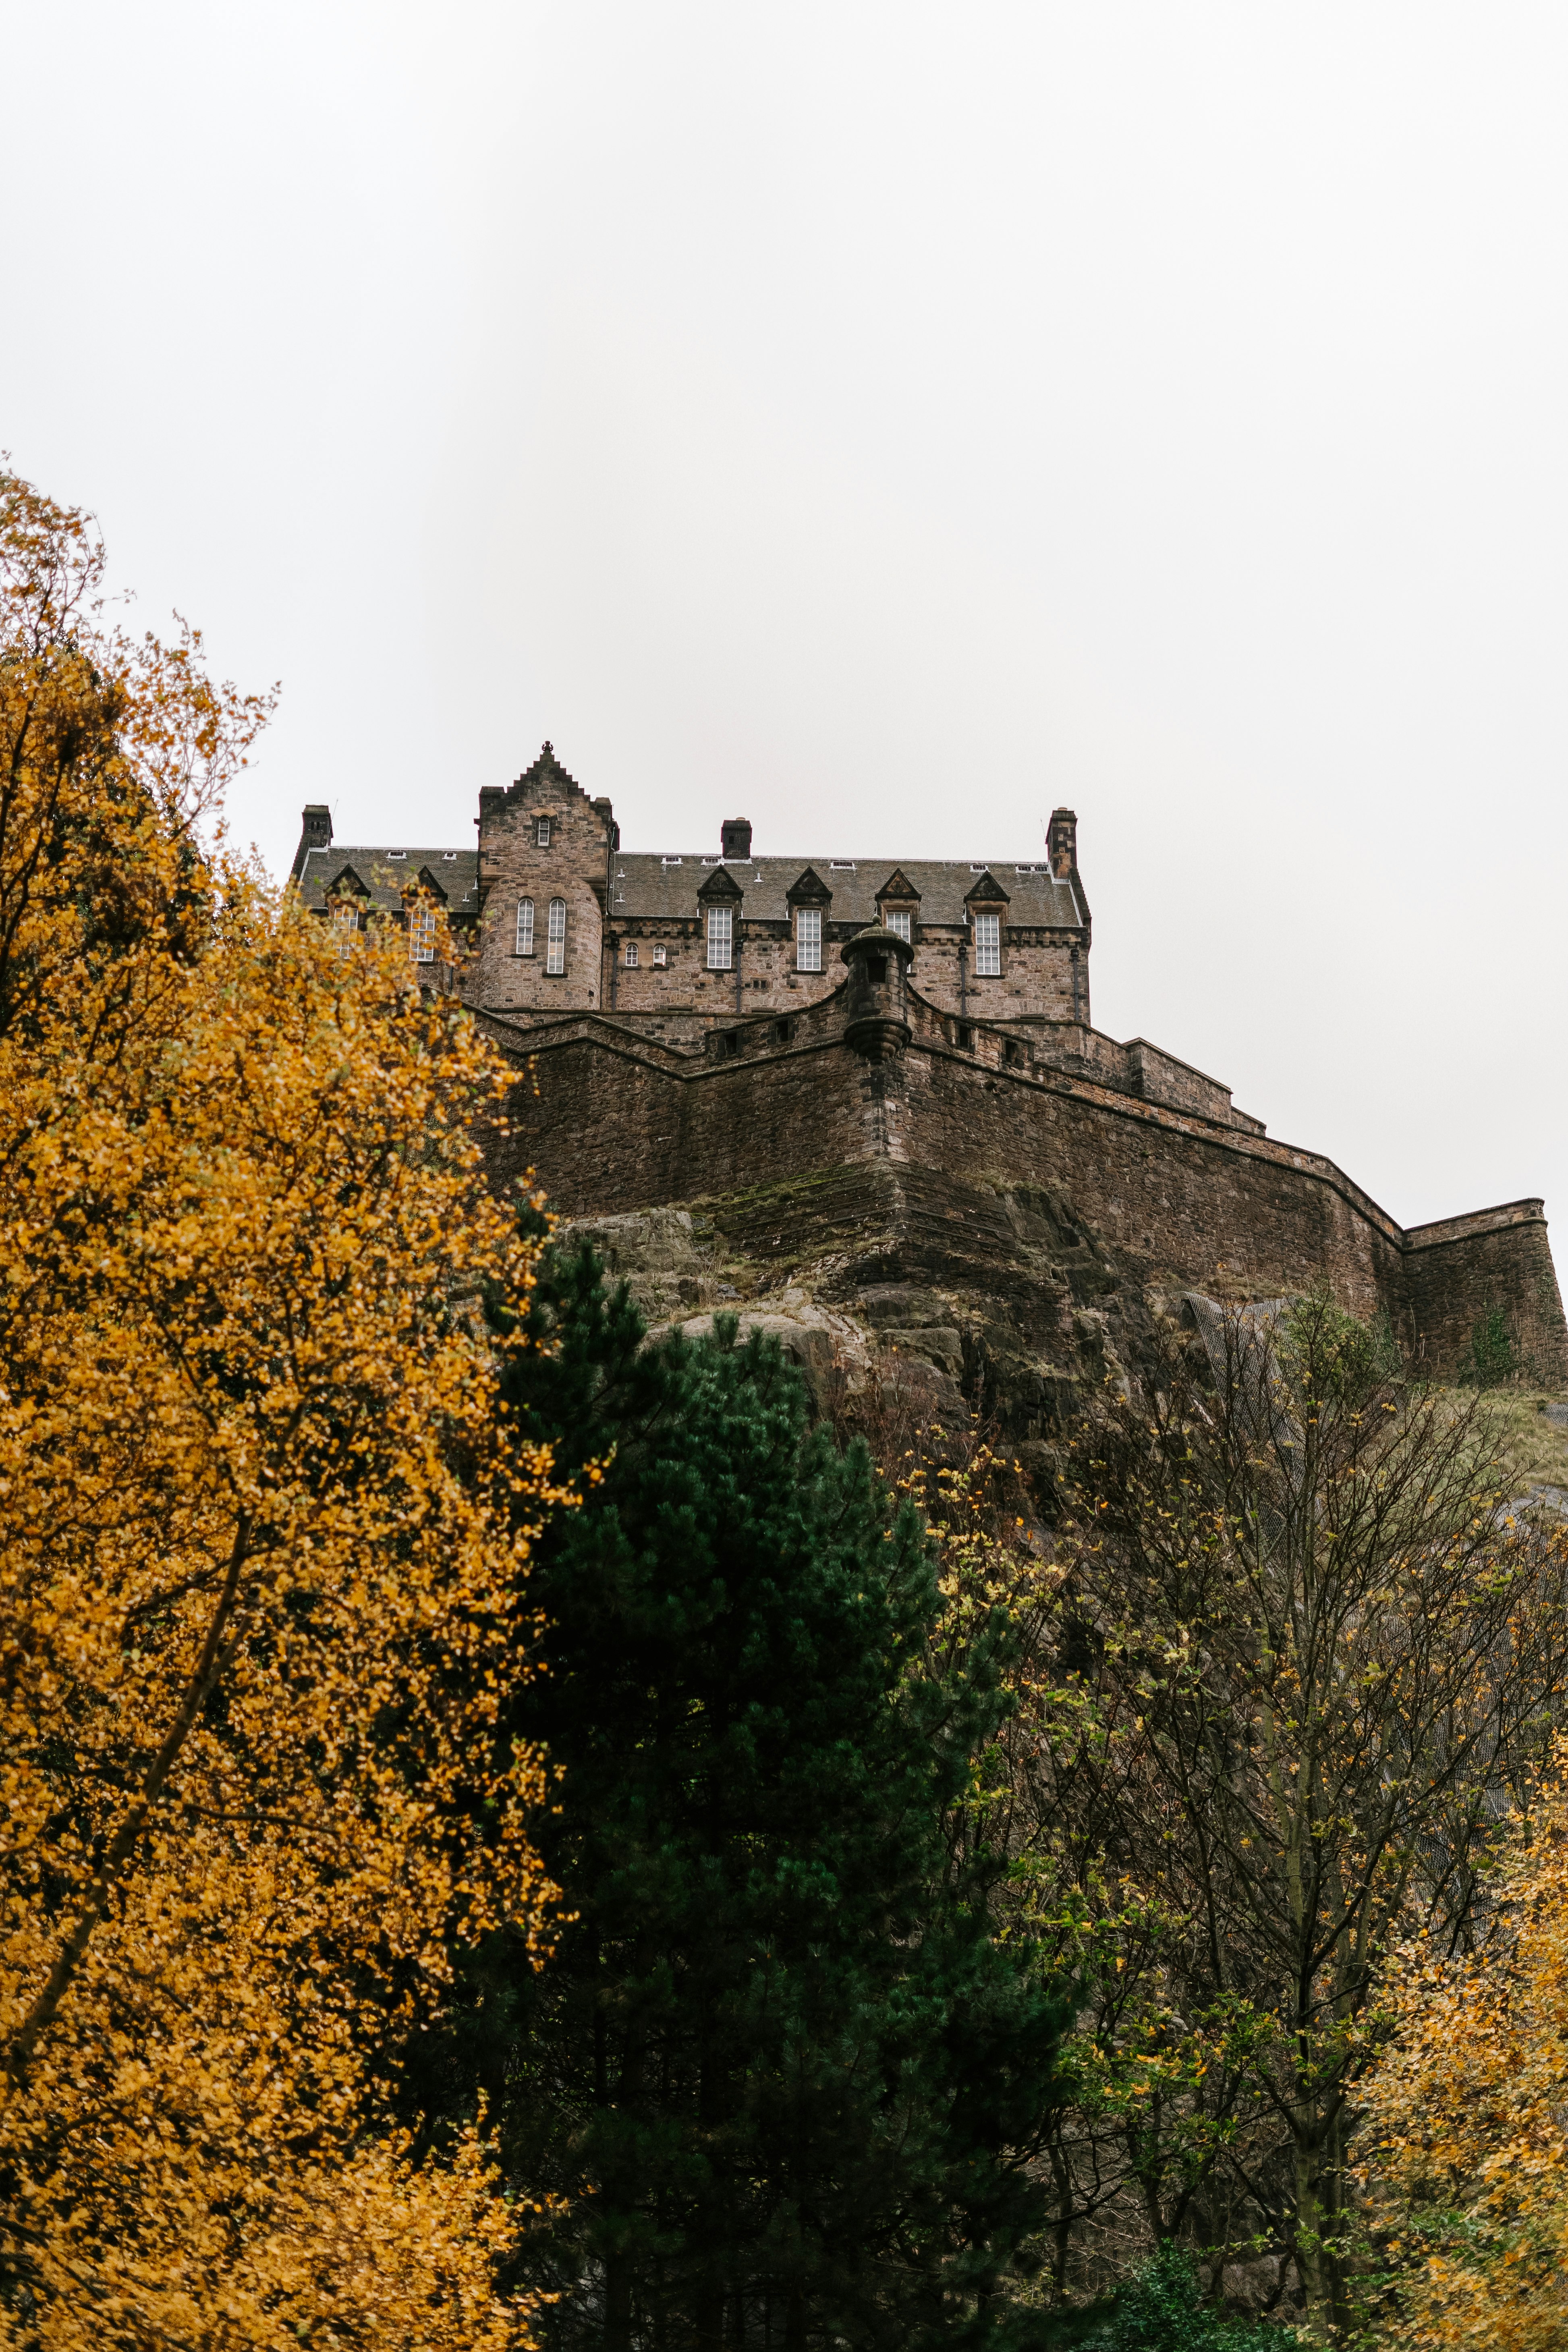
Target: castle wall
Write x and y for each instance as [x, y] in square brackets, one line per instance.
[619, 1124]
[611, 1128]
[1202, 1207]
[1037, 983]
[1464, 1270]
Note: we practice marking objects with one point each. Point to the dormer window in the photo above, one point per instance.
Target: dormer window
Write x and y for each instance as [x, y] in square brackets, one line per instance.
[720, 934]
[808, 939]
[987, 947]
[542, 832]
[345, 926]
[899, 922]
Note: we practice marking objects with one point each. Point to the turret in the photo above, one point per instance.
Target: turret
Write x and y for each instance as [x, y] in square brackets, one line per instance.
[878, 962]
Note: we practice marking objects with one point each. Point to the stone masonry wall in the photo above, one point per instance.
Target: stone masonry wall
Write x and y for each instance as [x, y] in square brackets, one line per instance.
[620, 1124]
[514, 865]
[1458, 1273]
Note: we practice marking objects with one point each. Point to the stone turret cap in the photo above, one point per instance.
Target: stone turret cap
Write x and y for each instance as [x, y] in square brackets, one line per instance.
[875, 939]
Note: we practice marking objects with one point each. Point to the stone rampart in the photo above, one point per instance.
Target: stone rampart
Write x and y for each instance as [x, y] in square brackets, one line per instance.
[611, 1121]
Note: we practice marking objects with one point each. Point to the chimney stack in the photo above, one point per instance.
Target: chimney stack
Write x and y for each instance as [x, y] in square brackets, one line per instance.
[735, 839]
[315, 833]
[1063, 844]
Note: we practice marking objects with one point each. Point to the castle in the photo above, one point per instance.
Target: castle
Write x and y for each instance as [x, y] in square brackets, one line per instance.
[889, 1066]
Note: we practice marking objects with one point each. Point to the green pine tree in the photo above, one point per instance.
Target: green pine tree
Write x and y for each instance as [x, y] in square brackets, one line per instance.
[778, 2046]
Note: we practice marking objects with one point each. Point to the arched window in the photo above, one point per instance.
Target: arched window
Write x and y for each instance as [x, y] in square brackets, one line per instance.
[555, 948]
[525, 927]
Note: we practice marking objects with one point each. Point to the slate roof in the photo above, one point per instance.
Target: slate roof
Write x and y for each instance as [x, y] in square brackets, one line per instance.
[653, 885]
[386, 873]
[661, 886]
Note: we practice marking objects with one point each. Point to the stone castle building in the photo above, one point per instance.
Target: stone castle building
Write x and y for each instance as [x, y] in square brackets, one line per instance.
[889, 1066]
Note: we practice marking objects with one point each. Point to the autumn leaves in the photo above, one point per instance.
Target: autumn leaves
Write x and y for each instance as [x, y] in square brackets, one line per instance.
[261, 1540]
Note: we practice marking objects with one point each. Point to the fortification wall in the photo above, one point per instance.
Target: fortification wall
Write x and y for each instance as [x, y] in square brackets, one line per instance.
[620, 1123]
[1495, 1262]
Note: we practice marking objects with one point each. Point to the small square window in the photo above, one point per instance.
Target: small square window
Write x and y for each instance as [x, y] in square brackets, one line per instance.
[987, 946]
[808, 939]
[542, 832]
[631, 955]
[660, 958]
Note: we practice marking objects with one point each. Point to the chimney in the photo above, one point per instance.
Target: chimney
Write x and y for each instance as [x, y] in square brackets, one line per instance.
[1063, 841]
[735, 839]
[315, 833]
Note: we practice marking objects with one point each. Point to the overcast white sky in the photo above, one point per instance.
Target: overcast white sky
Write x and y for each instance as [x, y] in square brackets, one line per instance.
[886, 422]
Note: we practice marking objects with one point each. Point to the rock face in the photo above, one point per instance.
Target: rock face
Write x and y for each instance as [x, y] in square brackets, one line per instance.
[941, 1300]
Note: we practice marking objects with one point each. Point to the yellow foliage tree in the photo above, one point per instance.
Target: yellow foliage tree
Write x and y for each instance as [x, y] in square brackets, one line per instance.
[1466, 2128]
[261, 1543]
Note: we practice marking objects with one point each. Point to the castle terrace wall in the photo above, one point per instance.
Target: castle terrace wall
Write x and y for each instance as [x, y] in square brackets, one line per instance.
[1202, 1205]
[619, 1123]
[1498, 1261]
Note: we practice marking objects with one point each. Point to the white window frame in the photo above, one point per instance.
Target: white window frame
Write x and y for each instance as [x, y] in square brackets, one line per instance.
[345, 926]
[421, 932]
[987, 947]
[899, 922]
[525, 927]
[808, 939]
[660, 958]
[631, 955]
[721, 939]
[541, 833]
[555, 937]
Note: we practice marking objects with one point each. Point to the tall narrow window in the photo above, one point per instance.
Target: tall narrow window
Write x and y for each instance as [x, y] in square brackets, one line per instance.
[422, 932]
[525, 927]
[541, 831]
[898, 921]
[808, 939]
[987, 946]
[631, 955]
[720, 922]
[345, 926]
[555, 948]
